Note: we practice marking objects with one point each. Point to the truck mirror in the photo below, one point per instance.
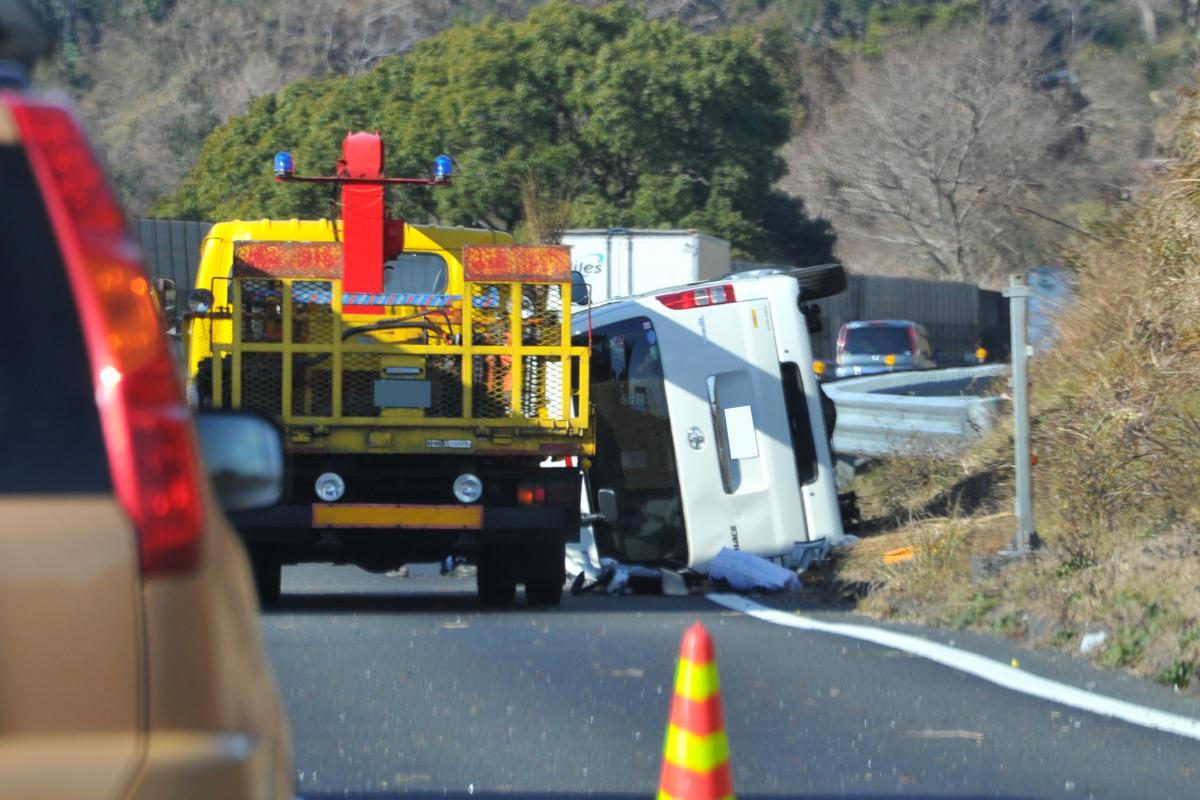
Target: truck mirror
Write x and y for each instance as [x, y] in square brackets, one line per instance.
[607, 500]
[581, 293]
[200, 301]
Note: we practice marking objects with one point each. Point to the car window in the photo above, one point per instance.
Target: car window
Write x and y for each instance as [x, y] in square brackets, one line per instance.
[878, 340]
[50, 435]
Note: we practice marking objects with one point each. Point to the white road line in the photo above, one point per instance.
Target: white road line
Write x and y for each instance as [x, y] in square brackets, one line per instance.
[992, 671]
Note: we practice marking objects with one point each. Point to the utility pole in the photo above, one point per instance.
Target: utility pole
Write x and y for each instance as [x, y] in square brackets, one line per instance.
[1018, 294]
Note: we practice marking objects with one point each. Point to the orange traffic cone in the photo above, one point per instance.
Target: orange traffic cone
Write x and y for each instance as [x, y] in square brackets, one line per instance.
[696, 756]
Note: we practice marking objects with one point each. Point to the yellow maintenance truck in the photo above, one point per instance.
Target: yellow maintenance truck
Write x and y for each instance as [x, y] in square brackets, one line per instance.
[424, 380]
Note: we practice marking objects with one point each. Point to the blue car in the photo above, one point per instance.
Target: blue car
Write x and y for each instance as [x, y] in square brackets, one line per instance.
[870, 347]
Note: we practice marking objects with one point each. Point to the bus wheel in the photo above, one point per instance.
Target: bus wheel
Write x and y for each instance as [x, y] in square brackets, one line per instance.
[822, 281]
[545, 575]
[495, 580]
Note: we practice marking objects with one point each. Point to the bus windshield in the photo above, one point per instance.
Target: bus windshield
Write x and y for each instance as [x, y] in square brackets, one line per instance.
[634, 454]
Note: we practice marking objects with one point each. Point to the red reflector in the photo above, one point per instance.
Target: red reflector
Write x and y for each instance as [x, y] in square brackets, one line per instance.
[531, 494]
[698, 298]
[147, 427]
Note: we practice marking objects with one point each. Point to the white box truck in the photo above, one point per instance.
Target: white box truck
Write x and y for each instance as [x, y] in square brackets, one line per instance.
[619, 263]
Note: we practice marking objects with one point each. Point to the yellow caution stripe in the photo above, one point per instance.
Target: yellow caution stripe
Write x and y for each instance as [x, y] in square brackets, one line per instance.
[374, 515]
[696, 753]
[696, 682]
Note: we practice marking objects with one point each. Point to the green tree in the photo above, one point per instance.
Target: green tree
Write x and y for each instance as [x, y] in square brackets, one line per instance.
[624, 121]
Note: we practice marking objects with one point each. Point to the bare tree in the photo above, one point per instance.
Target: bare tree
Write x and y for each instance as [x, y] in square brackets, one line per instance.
[948, 155]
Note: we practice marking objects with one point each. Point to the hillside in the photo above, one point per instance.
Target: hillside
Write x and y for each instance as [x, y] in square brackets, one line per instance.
[1066, 99]
[1115, 414]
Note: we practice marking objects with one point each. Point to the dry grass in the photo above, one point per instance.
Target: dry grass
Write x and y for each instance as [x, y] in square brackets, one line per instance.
[1116, 416]
[935, 586]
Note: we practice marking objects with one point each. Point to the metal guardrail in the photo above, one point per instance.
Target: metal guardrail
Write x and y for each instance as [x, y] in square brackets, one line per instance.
[875, 418]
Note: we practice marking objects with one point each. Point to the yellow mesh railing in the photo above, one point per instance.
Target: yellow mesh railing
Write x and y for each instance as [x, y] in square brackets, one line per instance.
[296, 350]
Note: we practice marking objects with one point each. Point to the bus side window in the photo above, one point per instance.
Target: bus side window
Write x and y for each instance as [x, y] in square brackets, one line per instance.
[803, 446]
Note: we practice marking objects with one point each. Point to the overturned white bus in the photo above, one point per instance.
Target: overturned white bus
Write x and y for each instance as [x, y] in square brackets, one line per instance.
[709, 420]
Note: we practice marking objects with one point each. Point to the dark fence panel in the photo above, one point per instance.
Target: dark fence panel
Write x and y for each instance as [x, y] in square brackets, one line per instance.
[958, 316]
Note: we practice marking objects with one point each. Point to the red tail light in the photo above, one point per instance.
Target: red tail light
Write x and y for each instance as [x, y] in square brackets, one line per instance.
[912, 341]
[531, 494]
[147, 427]
[698, 298]
[841, 342]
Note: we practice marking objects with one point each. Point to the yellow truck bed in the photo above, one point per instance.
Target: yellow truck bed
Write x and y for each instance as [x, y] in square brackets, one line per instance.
[408, 381]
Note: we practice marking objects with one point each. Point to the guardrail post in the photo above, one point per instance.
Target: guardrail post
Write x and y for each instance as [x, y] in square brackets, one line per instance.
[1018, 294]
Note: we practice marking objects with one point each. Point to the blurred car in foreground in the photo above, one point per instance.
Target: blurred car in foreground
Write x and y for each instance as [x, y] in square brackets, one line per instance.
[871, 347]
[131, 664]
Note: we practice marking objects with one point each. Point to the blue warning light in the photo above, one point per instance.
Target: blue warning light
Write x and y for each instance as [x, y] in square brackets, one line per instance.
[443, 167]
[284, 165]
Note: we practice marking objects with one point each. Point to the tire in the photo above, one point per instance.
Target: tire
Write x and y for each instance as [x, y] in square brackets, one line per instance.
[268, 579]
[495, 580]
[825, 280]
[545, 576]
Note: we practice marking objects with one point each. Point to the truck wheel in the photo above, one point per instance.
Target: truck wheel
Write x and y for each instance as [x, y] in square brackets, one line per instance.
[823, 281]
[495, 580]
[268, 579]
[546, 573]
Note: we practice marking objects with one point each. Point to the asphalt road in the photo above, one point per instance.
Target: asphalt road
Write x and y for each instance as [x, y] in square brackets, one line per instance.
[402, 687]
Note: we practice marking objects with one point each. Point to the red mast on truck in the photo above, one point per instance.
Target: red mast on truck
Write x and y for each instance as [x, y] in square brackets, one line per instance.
[369, 237]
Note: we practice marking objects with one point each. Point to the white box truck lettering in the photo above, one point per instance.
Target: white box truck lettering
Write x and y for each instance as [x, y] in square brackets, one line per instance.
[619, 262]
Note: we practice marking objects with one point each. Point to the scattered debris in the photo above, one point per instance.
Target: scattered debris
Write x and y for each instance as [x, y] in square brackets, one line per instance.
[625, 576]
[1092, 641]
[976, 736]
[745, 572]
[899, 555]
[457, 567]
[616, 578]
[674, 584]
[736, 569]
[631, 672]
[807, 554]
